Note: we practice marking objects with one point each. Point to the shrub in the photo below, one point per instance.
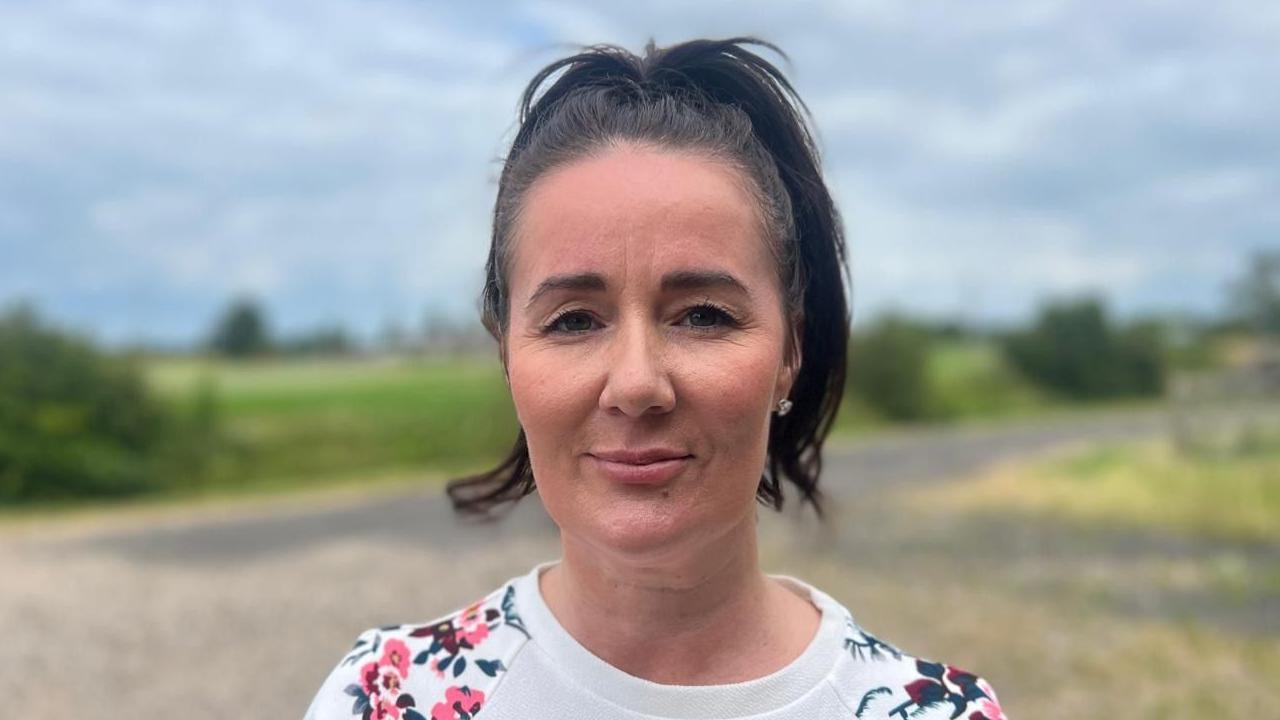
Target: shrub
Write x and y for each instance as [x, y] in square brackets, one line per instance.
[1073, 349]
[74, 422]
[888, 368]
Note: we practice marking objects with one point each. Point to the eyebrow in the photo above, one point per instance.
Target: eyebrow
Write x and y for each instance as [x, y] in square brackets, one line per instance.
[672, 281]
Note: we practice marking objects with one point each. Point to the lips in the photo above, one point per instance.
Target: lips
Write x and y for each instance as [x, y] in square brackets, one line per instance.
[653, 466]
[640, 457]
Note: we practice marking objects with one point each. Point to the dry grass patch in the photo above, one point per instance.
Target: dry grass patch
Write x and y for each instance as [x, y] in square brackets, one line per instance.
[1145, 484]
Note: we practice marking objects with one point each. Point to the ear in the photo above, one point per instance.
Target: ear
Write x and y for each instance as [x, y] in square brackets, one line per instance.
[790, 369]
[502, 360]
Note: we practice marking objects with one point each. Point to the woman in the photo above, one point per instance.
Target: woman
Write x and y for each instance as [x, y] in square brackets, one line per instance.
[665, 284]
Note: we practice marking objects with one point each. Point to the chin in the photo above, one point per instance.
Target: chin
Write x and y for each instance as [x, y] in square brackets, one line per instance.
[645, 531]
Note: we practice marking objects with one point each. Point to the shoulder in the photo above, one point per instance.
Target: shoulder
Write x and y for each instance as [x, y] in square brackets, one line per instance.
[878, 681]
[444, 668]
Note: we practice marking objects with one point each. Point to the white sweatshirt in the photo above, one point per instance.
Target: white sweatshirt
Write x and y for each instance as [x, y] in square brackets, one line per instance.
[506, 657]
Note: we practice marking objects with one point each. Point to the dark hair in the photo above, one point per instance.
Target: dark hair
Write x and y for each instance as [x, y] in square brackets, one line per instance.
[718, 98]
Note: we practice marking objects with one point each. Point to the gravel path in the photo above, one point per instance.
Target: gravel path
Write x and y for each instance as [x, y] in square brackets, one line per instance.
[241, 612]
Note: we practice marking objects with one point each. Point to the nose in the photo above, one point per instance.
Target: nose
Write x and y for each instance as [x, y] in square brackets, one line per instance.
[637, 380]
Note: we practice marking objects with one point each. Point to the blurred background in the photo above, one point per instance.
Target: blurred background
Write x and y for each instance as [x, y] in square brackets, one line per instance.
[241, 250]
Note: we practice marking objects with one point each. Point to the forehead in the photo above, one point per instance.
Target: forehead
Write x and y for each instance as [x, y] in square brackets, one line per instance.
[634, 213]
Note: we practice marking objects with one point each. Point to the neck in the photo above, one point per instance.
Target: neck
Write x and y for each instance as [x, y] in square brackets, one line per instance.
[680, 620]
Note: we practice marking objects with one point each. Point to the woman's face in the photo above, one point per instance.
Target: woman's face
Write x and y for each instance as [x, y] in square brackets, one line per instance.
[645, 349]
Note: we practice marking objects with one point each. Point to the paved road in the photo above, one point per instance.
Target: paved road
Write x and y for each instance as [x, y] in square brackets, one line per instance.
[241, 615]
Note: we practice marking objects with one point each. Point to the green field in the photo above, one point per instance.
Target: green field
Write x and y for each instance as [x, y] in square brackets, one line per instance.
[969, 379]
[307, 422]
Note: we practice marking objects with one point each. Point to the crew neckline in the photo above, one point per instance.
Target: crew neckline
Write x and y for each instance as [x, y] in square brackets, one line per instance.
[685, 702]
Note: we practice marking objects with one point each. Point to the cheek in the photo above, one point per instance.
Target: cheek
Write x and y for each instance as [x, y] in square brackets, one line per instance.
[731, 388]
[550, 395]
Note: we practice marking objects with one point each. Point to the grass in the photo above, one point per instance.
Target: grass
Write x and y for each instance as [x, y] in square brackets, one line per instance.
[970, 378]
[1147, 485]
[310, 419]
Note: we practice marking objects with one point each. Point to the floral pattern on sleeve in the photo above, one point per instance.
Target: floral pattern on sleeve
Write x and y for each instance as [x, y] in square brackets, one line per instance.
[389, 657]
[865, 646]
[934, 691]
[939, 691]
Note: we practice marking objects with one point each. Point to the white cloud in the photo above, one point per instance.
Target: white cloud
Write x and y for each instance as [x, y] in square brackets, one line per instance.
[1213, 186]
[338, 156]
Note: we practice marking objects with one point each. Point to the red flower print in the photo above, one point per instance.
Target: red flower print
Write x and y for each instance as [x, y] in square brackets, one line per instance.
[389, 683]
[381, 708]
[464, 631]
[382, 685]
[924, 691]
[396, 654]
[369, 676]
[442, 632]
[460, 703]
[939, 684]
[960, 678]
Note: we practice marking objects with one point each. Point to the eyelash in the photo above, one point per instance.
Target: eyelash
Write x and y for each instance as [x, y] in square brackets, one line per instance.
[728, 320]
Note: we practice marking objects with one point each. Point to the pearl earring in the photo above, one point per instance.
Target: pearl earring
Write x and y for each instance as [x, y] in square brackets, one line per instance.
[784, 407]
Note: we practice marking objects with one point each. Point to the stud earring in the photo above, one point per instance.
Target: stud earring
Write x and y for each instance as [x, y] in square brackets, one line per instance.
[784, 407]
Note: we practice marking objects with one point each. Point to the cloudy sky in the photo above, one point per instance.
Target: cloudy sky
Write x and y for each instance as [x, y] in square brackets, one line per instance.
[337, 158]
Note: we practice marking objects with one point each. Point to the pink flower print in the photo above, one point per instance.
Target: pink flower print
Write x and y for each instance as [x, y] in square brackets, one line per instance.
[382, 685]
[460, 703]
[462, 631]
[988, 707]
[396, 654]
[474, 634]
[474, 624]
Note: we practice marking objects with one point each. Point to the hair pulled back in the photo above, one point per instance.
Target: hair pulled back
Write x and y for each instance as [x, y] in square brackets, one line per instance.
[716, 98]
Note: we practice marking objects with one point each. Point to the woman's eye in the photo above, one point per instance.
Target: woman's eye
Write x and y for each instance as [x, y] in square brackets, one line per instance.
[573, 322]
[707, 316]
[702, 317]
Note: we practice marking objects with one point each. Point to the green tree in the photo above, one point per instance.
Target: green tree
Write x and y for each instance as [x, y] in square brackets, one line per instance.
[1074, 349]
[241, 331]
[78, 423]
[73, 422]
[1254, 297]
[888, 367]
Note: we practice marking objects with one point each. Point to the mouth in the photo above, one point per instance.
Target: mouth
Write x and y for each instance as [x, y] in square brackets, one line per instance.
[641, 468]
